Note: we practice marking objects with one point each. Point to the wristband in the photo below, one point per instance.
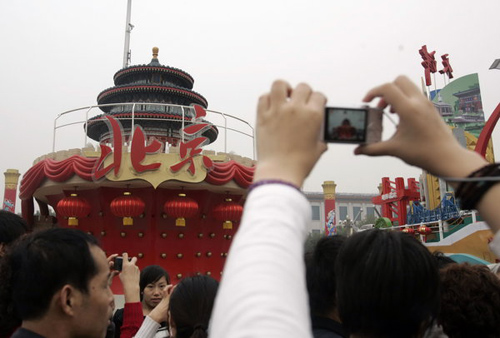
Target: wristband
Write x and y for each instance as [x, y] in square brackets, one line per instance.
[470, 192]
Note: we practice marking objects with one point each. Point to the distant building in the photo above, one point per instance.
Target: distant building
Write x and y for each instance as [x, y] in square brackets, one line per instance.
[347, 205]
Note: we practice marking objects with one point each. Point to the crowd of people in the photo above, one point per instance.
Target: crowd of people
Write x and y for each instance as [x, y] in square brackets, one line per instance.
[376, 283]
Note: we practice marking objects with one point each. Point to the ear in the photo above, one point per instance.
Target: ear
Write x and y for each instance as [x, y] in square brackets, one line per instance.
[70, 299]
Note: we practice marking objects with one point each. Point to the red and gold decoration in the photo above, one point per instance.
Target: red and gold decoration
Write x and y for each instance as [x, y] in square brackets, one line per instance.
[180, 208]
[127, 206]
[73, 207]
[424, 230]
[228, 212]
[409, 231]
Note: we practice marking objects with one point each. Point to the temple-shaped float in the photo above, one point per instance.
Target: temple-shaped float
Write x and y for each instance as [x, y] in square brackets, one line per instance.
[148, 187]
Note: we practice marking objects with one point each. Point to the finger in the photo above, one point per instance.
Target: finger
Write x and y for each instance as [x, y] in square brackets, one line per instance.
[263, 104]
[374, 149]
[407, 86]
[318, 101]
[112, 257]
[389, 92]
[280, 91]
[382, 104]
[301, 93]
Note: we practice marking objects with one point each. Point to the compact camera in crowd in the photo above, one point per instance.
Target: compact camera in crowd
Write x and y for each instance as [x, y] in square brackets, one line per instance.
[352, 125]
[118, 263]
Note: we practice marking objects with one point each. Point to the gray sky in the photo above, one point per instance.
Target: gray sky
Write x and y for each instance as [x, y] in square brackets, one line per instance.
[58, 55]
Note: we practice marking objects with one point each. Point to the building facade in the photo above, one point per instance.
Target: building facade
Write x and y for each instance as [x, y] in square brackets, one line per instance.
[348, 206]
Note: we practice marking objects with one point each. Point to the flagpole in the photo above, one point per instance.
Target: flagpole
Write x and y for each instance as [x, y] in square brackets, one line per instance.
[128, 29]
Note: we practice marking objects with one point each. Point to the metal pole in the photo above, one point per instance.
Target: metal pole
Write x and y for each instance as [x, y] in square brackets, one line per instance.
[128, 29]
[86, 126]
[132, 130]
[441, 234]
[54, 135]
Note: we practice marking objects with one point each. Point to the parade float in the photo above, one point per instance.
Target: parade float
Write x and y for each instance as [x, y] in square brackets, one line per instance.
[144, 182]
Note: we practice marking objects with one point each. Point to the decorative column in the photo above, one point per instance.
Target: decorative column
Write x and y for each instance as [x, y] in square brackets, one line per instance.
[10, 193]
[329, 197]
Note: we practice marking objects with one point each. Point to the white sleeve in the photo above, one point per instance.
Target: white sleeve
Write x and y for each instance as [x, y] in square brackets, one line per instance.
[148, 328]
[495, 244]
[263, 290]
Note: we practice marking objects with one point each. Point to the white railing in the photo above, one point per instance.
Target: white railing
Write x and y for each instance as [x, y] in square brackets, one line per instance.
[243, 130]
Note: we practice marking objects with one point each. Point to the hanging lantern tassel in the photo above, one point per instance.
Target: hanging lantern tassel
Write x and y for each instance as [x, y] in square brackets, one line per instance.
[127, 207]
[228, 212]
[73, 207]
[180, 208]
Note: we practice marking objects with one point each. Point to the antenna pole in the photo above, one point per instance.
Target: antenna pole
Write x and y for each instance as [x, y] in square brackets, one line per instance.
[128, 29]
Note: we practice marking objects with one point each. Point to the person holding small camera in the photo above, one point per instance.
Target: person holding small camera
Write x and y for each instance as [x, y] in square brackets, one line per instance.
[263, 291]
[143, 292]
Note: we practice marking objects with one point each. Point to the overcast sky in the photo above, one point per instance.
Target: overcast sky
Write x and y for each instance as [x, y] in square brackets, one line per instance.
[57, 55]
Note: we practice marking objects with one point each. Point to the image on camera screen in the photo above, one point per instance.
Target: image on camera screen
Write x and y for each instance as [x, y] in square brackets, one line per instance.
[346, 125]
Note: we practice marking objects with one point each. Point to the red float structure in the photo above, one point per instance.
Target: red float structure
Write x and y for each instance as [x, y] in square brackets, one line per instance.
[395, 198]
[149, 188]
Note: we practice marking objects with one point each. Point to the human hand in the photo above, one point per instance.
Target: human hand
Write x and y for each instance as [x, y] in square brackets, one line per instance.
[422, 137]
[130, 276]
[111, 264]
[288, 132]
[160, 312]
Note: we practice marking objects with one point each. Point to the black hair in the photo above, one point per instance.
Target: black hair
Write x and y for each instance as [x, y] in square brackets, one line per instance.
[387, 284]
[12, 226]
[442, 260]
[320, 275]
[38, 265]
[191, 306]
[470, 301]
[152, 274]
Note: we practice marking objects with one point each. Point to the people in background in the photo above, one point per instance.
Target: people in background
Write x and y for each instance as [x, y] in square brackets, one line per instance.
[141, 297]
[322, 288]
[59, 285]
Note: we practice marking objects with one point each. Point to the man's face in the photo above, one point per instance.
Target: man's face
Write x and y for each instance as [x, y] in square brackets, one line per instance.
[153, 293]
[97, 305]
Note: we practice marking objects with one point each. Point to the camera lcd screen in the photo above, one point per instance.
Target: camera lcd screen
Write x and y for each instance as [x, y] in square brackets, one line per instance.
[345, 125]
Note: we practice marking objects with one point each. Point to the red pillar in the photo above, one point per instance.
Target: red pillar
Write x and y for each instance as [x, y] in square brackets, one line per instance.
[10, 192]
[329, 198]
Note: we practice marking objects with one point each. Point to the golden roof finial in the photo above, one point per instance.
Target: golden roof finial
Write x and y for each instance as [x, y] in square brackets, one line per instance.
[155, 52]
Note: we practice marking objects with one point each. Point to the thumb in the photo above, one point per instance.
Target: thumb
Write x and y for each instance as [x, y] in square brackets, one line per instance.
[374, 149]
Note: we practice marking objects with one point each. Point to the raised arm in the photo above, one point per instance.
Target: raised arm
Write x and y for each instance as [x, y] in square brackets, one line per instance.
[132, 312]
[424, 140]
[263, 291]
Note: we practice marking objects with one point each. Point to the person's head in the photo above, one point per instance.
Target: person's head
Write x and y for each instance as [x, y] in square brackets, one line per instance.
[470, 301]
[387, 285]
[191, 306]
[60, 277]
[320, 276]
[153, 282]
[12, 227]
[346, 122]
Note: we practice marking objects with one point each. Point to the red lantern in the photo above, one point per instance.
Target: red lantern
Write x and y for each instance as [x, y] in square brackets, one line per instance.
[228, 212]
[127, 206]
[73, 207]
[181, 207]
[409, 231]
[423, 230]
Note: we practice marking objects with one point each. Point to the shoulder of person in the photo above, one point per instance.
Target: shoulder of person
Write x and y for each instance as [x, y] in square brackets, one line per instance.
[118, 315]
